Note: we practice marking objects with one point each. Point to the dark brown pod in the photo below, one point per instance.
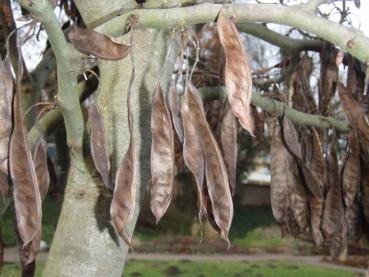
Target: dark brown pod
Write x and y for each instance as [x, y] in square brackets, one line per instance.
[97, 144]
[41, 167]
[93, 43]
[215, 171]
[26, 194]
[162, 155]
[237, 72]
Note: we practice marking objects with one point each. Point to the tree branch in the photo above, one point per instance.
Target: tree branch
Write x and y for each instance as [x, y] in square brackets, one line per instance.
[67, 96]
[286, 43]
[279, 108]
[350, 40]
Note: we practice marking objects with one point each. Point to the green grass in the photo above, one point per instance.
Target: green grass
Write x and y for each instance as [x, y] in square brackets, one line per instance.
[50, 209]
[213, 269]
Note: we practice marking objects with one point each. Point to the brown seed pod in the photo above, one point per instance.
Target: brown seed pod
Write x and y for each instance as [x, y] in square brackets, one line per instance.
[41, 167]
[237, 72]
[93, 43]
[351, 172]
[162, 155]
[97, 144]
[193, 156]
[26, 194]
[215, 171]
[228, 138]
[354, 112]
[333, 214]
[175, 110]
[290, 137]
[6, 98]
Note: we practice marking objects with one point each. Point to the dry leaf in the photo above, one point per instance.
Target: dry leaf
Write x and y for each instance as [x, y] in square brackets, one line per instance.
[237, 72]
[93, 43]
[162, 155]
[228, 138]
[26, 195]
[175, 110]
[97, 144]
[215, 171]
[41, 167]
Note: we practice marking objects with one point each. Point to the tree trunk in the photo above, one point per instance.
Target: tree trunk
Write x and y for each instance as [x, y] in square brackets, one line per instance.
[85, 242]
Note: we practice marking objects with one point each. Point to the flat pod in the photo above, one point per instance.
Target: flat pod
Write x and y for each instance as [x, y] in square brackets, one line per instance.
[237, 72]
[104, 47]
[175, 110]
[290, 137]
[26, 195]
[351, 172]
[162, 155]
[97, 144]
[123, 202]
[193, 155]
[6, 98]
[354, 112]
[228, 138]
[215, 171]
[41, 167]
[333, 211]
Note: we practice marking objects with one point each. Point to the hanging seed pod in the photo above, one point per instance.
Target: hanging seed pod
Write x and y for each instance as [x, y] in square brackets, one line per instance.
[228, 138]
[333, 214]
[41, 167]
[354, 219]
[97, 144]
[26, 194]
[124, 197]
[6, 98]
[237, 72]
[175, 110]
[162, 155]
[215, 171]
[259, 124]
[104, 47]
[290, 137]
[351, 172]
[354, 113]
[193, 156]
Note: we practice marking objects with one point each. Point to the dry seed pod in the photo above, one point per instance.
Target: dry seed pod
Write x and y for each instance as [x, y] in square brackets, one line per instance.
[316, 211]
[364, 183]
[6, 98]
[279, 182]
[26, 194]
[162, 155]
[97, 144]
[41, 167]
[291, 138]
[351, 172]
[237, 72]
[333, 210]
[4, 187]
[215, 171]
[354, 219]
[175, 110]
[354, 112]
[228, 138]
[124, 197]
[193, 155]
[93, 43]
